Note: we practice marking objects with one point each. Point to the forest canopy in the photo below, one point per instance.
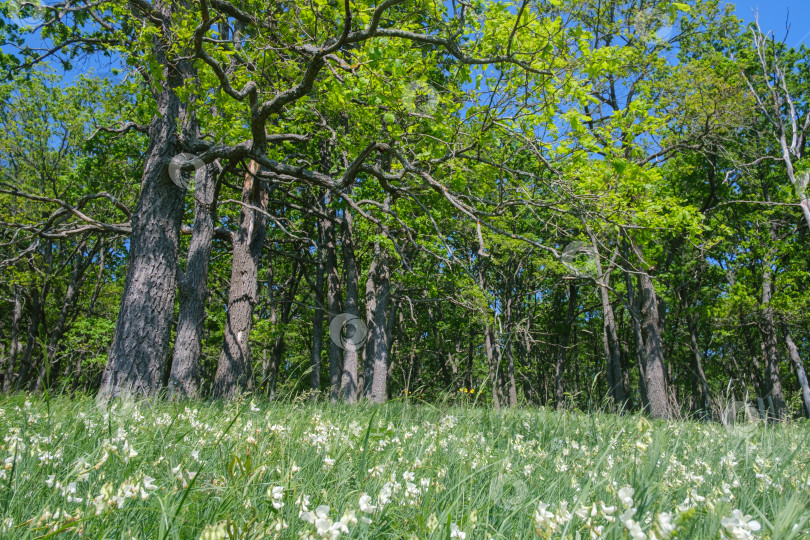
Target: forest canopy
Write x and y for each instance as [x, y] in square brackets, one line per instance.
[573, 203]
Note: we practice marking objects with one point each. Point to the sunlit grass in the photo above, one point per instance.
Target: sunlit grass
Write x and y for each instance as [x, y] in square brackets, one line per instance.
[257, 469]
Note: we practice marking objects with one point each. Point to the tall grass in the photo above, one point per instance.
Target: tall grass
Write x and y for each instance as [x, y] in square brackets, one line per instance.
[137, 469]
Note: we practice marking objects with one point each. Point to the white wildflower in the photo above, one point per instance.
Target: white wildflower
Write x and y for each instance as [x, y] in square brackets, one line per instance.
[740, 526]
[349, 519]
[303, 502]
[276, 493]
[149, 483]
[626, 496]
[365, 504]
[385, 494]
[665, 525]
[543, 519]
[129, 452]
[563, 515]
[215, 532]
[455, 532]
[632, 526]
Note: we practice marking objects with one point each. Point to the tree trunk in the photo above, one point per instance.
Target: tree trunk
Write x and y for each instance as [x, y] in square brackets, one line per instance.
[634, 307]
[349, 382]
[625, 369]
[77, 368]
[234, 370]
[805, 204]
[184, 379]
[142, 332]
[317, 320]
[654, 370]
[333, 300]
[769, 341]
[35, 318]
[610, 337]
[392, 343]
[511, 385]
[378, 290]
[698, 374]
[271, 377]
[491, 347]
[270, 365]
[15, 346]
[755, 374]
[50, 366]
[562, 352]
[280, 316]
[468, 376]
[436, 347]
[801, 375]
[613, 350]
[494, 361]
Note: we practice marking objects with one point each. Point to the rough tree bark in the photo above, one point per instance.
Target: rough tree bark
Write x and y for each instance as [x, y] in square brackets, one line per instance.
[468, 371]
[184, 379]
[142, 332]
[348, 381]
[392, 343]
[634, 308]
[491, 347]
[333, 299]
[801, 374]
[755, 371]
[769, 342]
[511, 384]
[654, 371]
[317, 321]
[610, 336]
[378, 290]
[562, 351]
[234, 370]
[612, 347]
[36, 300]
[15, 345]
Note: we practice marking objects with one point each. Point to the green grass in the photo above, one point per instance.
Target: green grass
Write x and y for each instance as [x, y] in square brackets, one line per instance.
[474, 471]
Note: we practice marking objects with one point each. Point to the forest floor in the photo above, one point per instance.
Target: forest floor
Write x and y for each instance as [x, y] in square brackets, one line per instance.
[264, 470]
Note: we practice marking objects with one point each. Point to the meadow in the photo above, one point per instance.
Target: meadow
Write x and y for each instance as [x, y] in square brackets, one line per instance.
[75, 468]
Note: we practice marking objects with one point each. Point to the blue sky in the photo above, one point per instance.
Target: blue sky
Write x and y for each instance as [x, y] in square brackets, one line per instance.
[774, 13]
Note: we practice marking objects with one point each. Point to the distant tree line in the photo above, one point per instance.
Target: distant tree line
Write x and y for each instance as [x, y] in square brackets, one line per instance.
[596, 204]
